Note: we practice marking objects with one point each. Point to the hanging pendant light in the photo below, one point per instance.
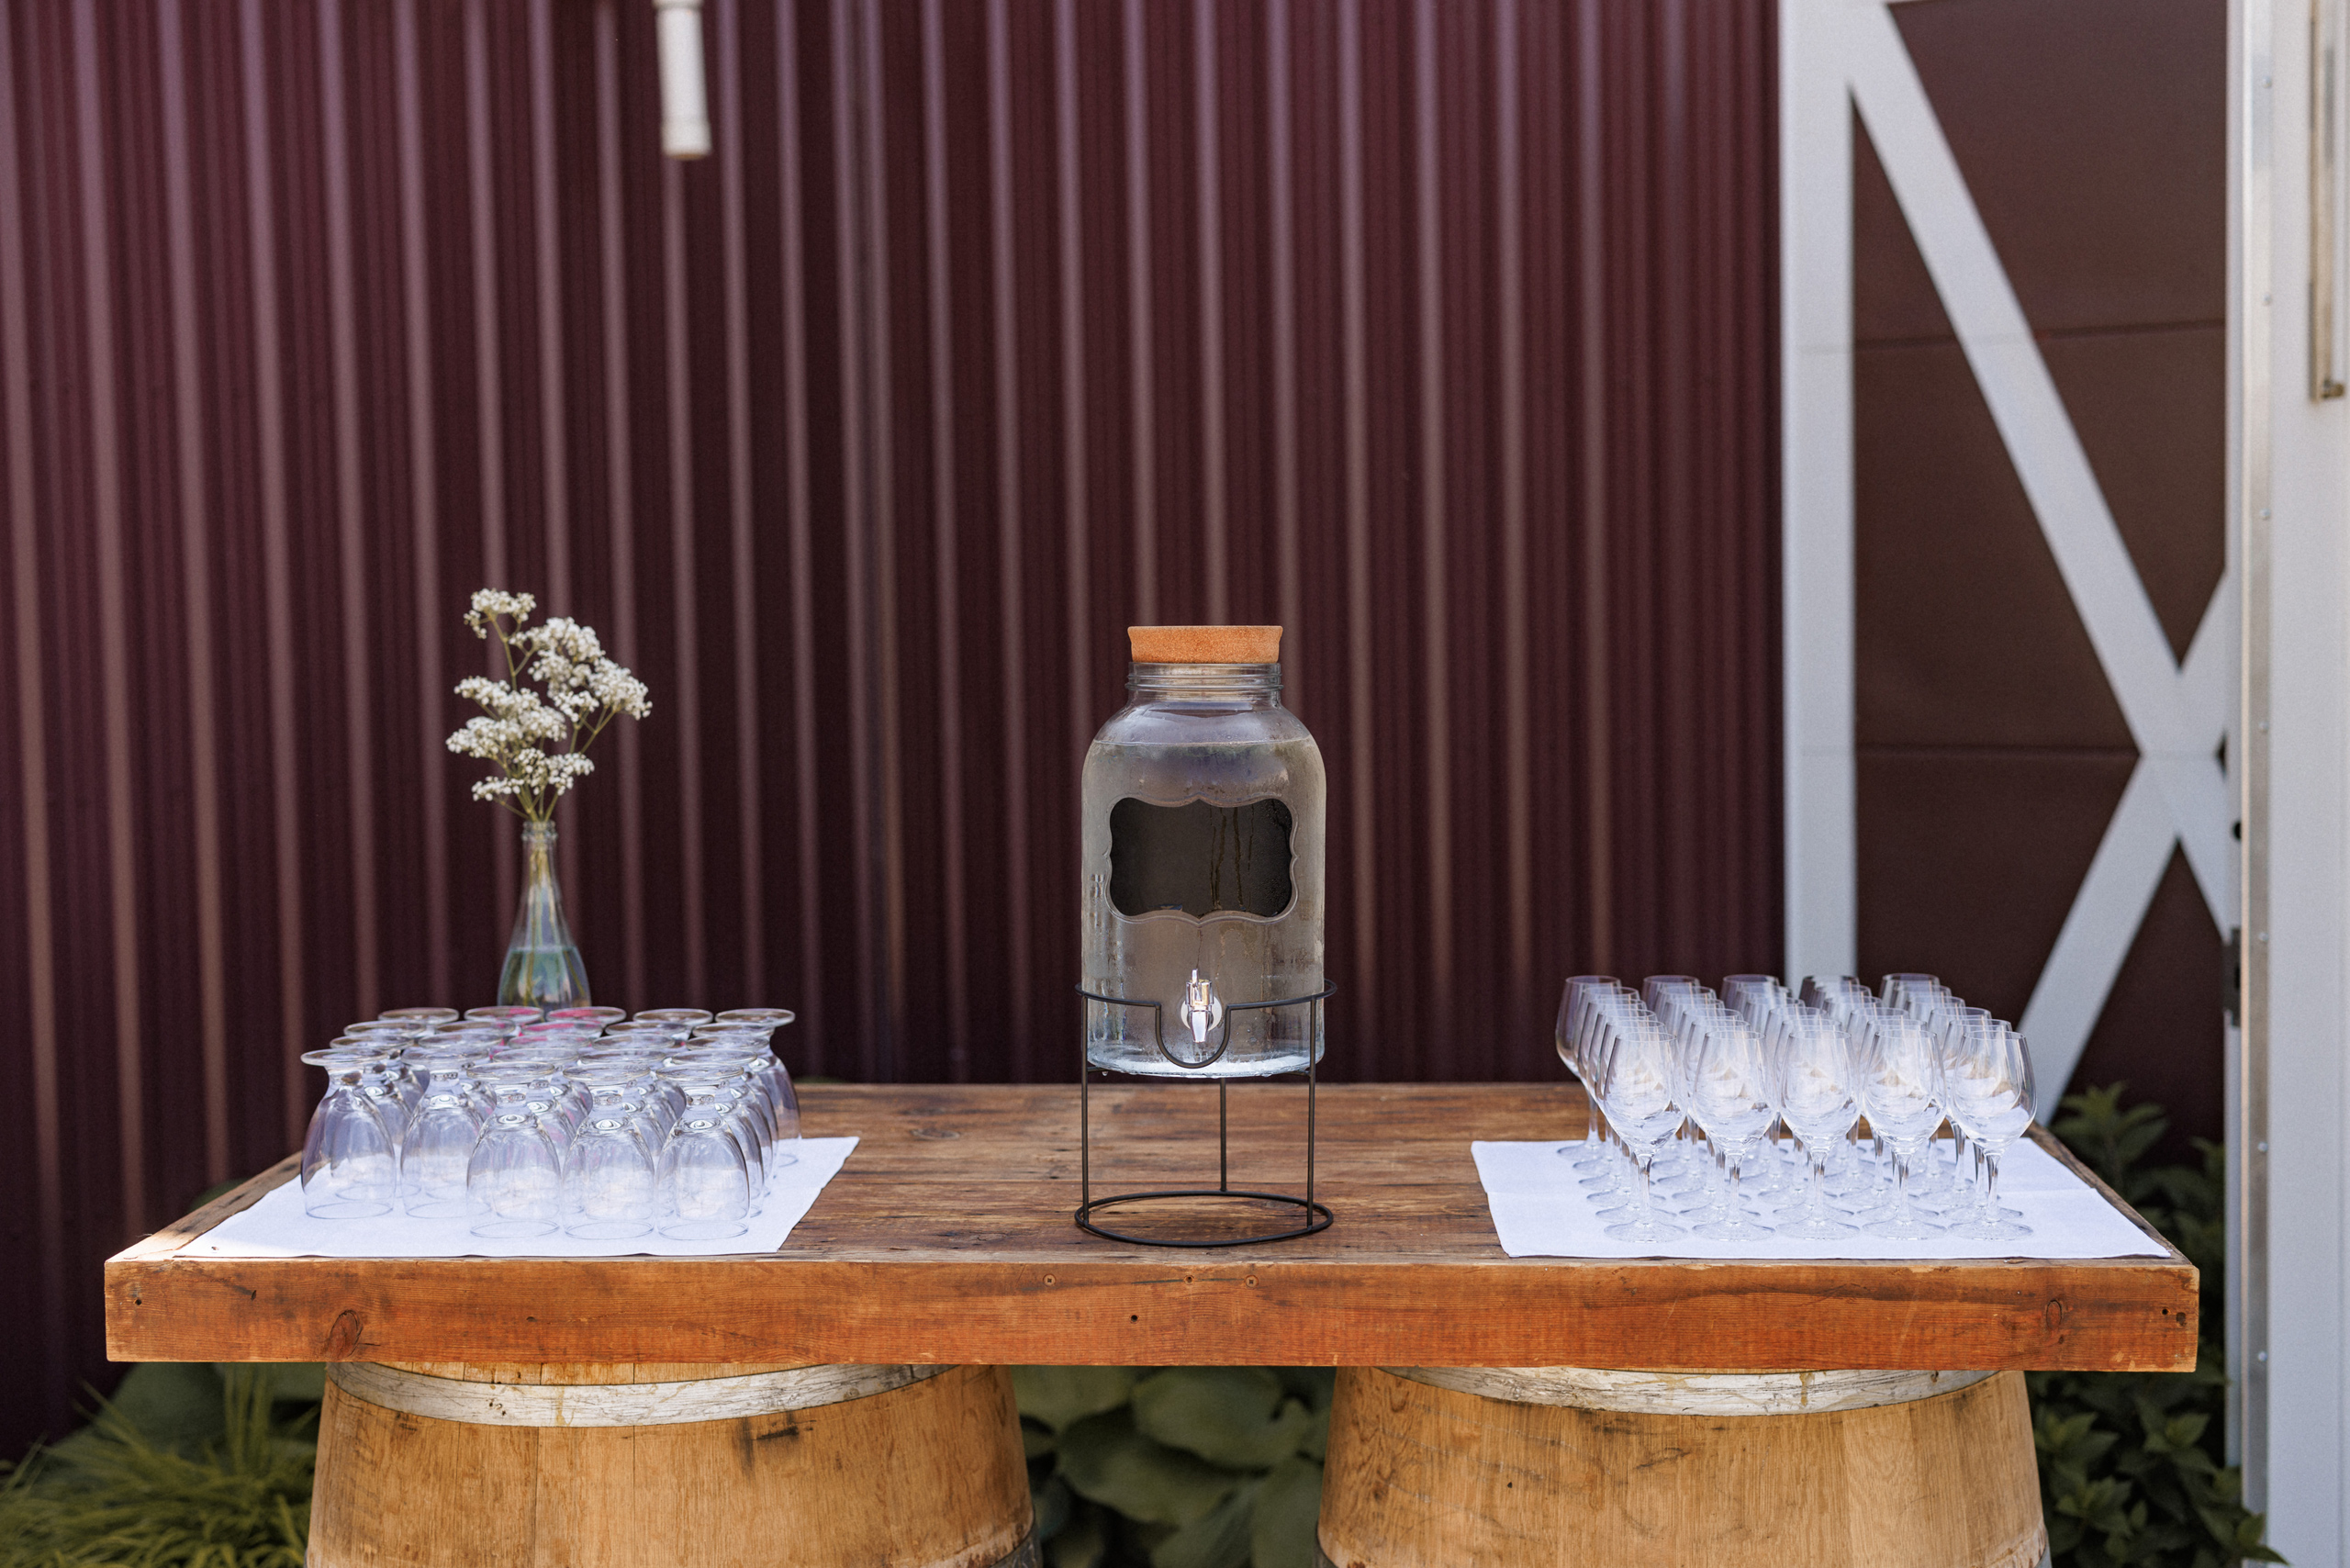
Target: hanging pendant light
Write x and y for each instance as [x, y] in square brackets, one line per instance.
[685, 105]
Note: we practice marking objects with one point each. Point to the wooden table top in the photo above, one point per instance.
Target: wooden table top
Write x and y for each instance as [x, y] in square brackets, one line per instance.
[947, 1238]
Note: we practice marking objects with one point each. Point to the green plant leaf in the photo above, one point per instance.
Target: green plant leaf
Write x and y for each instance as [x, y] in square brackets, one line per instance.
[1217, 1539]
[173, 1405]
[2132, 1471]
[289, 1382]
[120, 1500]
[1051, 1506]
[1235, 1417]
[1315, 1444]
[1082, 1543]
[1315, 1386]
[1104, 1458]
[1288, 1508]
[1058, 1396]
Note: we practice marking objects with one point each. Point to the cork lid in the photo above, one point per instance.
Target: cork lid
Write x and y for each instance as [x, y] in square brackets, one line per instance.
[1206, 645]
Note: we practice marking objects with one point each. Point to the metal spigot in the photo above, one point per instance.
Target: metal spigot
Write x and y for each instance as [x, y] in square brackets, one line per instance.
[1202, 1010]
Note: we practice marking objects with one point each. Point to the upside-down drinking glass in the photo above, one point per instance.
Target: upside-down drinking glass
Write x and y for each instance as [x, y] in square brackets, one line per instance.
[422, 1016]
[704, 1186]
[688, 1016]
[515, 1178]
[598, 1017]
[610, 1185]
[439, 1145]
[350, 1158]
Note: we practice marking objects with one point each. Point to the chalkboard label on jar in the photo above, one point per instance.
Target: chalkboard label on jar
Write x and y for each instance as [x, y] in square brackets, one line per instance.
[1201, 859]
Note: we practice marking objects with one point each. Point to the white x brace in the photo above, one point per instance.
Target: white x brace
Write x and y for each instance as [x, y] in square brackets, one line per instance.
[1848, 53]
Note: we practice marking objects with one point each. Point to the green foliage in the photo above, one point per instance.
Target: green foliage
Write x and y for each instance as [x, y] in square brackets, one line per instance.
[2133, 1465]
[1055, 1396]
[1240, 1415]
[1176, 1467]
[165, 1479]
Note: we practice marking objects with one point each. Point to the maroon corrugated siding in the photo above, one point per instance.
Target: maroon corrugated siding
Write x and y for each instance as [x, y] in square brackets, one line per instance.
[1440, 332]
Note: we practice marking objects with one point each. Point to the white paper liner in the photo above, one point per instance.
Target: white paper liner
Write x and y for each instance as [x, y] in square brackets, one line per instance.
[276, 1226]
[1540, 1210]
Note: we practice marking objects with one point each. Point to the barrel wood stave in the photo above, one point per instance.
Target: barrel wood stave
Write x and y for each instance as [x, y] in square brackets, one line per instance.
[927, 1474]
[1427, 1476]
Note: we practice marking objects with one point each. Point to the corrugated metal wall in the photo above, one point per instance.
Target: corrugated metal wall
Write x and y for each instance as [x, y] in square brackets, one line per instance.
[1440, 332]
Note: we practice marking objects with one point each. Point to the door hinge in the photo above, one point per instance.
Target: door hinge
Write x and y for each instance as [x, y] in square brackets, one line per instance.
[2231, 977]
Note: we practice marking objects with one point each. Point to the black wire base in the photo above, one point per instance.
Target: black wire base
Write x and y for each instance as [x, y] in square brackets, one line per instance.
[1315, 1217]
[1318, 1217]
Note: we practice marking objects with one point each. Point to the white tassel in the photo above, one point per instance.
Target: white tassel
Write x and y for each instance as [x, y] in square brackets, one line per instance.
[685, 105]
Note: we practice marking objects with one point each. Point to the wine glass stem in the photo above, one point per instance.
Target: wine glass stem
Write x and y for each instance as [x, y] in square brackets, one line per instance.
[1648, 1169]
[1818, 1207]
[1990, 1184]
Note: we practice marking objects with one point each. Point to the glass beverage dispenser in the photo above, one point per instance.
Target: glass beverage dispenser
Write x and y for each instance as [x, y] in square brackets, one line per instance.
[1204, 803]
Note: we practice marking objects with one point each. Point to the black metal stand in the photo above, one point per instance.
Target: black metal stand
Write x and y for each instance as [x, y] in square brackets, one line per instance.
[1315, 1215]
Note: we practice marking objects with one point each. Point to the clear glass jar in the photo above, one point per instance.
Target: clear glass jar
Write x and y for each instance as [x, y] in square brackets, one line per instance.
[1204, 802]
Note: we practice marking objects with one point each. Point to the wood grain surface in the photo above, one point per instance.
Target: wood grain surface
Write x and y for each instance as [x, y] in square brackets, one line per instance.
[947, 1238]
[925, 1476]
[1421, 1474]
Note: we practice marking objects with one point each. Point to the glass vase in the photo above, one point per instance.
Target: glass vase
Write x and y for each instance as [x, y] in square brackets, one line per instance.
[543, 967]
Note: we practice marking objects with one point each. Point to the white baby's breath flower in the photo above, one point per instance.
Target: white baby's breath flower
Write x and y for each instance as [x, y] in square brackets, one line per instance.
[536, 738]
[489, 739]
[490, 603]
[615, 688]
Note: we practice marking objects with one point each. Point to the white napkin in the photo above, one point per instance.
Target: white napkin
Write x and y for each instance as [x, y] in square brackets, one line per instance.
[1542, 1211]
[276, 1226]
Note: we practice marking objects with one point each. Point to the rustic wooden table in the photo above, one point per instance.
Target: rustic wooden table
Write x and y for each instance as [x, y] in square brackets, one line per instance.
[947, 1238]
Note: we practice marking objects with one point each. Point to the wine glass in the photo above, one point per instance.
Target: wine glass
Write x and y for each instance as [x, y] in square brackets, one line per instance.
[1565, 1036]
[1900, 1091]
[1728, 1097]
[1989, 1090]
[1636, 1087]
[1753, 997]
[1812, 1081]
[1898, 989]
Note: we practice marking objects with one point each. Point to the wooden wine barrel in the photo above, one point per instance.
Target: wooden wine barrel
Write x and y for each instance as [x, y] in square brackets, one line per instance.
[461, 1465]
[1454, 1467]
